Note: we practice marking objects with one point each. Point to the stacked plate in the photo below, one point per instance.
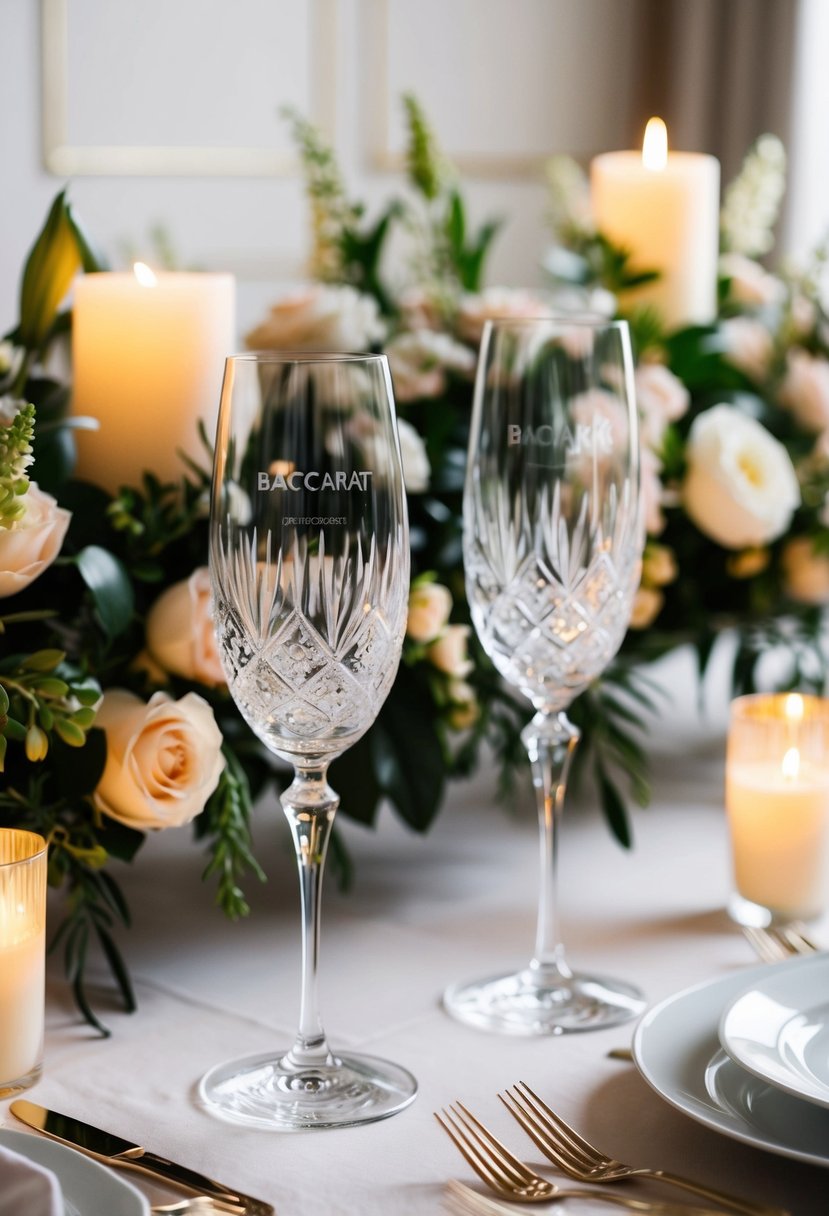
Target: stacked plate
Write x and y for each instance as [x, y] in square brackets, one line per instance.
[748, 1055]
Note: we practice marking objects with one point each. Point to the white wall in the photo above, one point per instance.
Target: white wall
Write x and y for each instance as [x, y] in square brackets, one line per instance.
[807, 215]
[505, 82]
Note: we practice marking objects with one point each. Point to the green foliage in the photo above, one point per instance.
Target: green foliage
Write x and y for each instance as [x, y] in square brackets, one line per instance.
[15, 458]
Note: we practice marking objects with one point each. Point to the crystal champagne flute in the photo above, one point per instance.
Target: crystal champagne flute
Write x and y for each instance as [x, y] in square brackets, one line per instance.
[309, 562]
[553, 542]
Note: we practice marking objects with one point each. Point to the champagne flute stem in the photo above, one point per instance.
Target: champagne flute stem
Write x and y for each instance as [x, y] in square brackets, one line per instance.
[310, 804]
[550, 741]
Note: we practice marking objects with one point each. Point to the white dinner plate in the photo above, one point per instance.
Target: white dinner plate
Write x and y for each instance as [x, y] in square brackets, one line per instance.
[89, 1189]
[677, 1050]
[778, 1029]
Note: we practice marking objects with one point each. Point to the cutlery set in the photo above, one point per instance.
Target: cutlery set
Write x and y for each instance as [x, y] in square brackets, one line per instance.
[502, 1171]
[210, 1196]
[513, 1179]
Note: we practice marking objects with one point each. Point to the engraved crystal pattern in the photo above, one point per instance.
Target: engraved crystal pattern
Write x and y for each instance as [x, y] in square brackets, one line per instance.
[310, 643]
[550, 599]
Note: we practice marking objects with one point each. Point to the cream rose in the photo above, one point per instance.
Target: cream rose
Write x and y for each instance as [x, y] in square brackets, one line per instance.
[180, 633]
[805, 389]
[449, 653]
[429, 608]
[741, 488]
[319, 318]
[805, 573]
[164, 759]
[748, 345]
[33, 542]
[661, 397]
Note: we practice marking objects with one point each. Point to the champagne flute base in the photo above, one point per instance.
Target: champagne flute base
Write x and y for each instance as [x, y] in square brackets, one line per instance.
[265, 1092]
[534, 1003]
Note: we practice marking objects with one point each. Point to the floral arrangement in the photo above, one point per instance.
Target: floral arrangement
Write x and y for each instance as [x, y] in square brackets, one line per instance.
[735, 431]
[114, 717]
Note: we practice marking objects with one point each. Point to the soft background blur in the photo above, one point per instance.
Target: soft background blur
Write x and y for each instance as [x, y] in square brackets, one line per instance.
[166, 112]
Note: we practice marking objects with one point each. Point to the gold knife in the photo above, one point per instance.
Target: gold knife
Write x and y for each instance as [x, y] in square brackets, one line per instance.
[113, 1150]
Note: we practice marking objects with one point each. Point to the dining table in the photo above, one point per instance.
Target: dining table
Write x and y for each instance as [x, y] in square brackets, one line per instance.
[424, 911]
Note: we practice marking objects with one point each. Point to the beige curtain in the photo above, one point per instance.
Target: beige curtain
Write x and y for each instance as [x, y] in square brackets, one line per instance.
[720, 72]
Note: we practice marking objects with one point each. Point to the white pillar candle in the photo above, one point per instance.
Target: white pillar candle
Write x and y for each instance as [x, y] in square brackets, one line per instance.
[22, 955]
[148, 355]
[777, 800]
[664, 208]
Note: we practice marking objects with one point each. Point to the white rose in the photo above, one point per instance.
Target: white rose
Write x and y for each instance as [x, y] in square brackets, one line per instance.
[805, 389]
[419, 362]
[661, 397]
[33, 542]
[495, 302]
[164, 759]
[320, 318]
[741, 488]
[805, 573]
[748, 345]
[750, 284]
[180, 634]
[449, 653]
[416, 468]
[429, 608]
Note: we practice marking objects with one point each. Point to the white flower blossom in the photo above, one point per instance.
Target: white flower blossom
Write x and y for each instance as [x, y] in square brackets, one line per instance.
[752, 201]
[741, 488]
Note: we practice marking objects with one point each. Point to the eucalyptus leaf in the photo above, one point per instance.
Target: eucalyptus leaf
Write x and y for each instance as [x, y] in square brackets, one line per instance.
[110, 585]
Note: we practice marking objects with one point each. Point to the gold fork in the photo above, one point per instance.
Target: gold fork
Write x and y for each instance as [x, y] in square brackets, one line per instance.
[776, 942]
[198, 1205]
[577, 1158]
[513, 1179]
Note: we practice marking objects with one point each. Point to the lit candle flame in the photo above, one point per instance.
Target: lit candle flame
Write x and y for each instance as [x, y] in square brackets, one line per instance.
[655, 145]
[791, 764]
[144, 275]
[793, 708]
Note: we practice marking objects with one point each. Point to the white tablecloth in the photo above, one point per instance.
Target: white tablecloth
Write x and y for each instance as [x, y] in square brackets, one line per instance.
[457, 904]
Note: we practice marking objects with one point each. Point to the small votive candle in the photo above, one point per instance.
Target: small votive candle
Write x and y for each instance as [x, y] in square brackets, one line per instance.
[22, 957]
[777, 800]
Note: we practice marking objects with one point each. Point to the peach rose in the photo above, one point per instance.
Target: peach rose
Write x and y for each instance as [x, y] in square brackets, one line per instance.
[748, 346]
[805, 573]
[749, 283]
[429, 608]
[164, 759]
[805, 389]
[647, 605]
[33, 542]
[661, 397]
[449, 653]
[320, 318]
[180, 633]
[494, 303]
